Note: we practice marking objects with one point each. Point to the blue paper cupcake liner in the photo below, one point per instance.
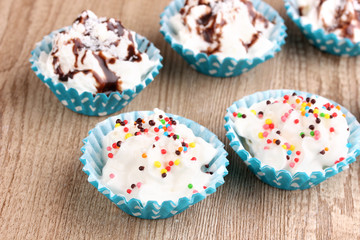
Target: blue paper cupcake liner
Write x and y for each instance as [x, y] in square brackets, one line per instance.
[326, 42]
[94, 163]
[283, 179]
[228, 67]
[100, 104]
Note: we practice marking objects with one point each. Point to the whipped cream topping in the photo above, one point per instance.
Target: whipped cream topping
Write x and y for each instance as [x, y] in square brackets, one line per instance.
[96, 55]
[341, 17]
[156, 158]
[227, 28]
[294, 133]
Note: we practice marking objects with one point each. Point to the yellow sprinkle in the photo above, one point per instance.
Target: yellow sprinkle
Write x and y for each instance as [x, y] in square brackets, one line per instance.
[302, 109]
[117, 125]
[326, 149]
[261, 135]
[327, 116]
[163, 170]
[292, 148]
[177, 162]
[316, 110]
[303, 104]
[157, 164]
[192, 145]
[253, 111]
[284, 146]
[268, 121]
[128, 135]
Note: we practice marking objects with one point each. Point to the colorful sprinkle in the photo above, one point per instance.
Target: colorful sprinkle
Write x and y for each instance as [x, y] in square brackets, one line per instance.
[177, 162]
[128, 135]
[157, 164]
[190, 186]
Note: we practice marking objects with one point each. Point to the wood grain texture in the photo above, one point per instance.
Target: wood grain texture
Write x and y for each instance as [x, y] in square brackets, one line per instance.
[45, 195]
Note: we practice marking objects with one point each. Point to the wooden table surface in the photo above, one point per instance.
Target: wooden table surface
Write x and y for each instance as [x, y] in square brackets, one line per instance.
[45, 195]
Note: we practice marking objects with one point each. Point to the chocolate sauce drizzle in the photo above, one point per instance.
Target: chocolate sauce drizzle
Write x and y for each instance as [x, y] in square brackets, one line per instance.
[110, 82]
[343, 20]
[207, 26]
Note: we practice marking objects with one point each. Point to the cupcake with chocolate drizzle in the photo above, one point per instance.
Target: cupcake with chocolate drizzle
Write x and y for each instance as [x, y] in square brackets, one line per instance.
[96, 56]
[223, 37]
[333, 26]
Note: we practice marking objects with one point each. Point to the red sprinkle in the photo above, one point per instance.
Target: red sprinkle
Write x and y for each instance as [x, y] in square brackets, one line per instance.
[163, 151]
[271, 126]
[125, 121]
[128, 191]
[171, 163]
[168, 168]
[234, 114]
[157, 138]
[110, 155]
[204, 187]
[114, 145]
[296, 121]
[126, 129]
[334, 114]
[298, 152]
[286, 97]
[193, 159]
[296, 159]
[268, 141]
[332, 129]
[156, 129]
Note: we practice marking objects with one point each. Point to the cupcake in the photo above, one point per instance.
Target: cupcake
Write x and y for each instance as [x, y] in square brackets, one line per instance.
[96, 66]
[223, 38]
[332, 26]
[292, 140]
[152, 164]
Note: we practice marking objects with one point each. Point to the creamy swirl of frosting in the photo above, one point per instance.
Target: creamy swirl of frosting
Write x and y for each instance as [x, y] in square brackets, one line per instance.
[156, 158]
[341, 17]
[294, 133]
[227, 28]
[96, 55]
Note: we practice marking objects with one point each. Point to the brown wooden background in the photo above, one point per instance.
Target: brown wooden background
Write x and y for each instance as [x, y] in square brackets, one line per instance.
[45, 195]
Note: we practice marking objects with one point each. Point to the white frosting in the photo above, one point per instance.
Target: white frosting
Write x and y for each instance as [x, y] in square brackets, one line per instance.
[334, 16]
[235, 29]
[326, 147]
[121, 171]
[96, 39]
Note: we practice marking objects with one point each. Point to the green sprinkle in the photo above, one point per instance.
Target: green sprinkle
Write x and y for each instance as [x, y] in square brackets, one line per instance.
[177, 136]
[322, 114]
[312, 133]
[190, 186]
[239, 115]
[162, 121]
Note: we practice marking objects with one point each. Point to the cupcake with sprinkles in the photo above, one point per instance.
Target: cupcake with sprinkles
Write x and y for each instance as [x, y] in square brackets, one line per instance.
[292, 140]
[156, 165]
